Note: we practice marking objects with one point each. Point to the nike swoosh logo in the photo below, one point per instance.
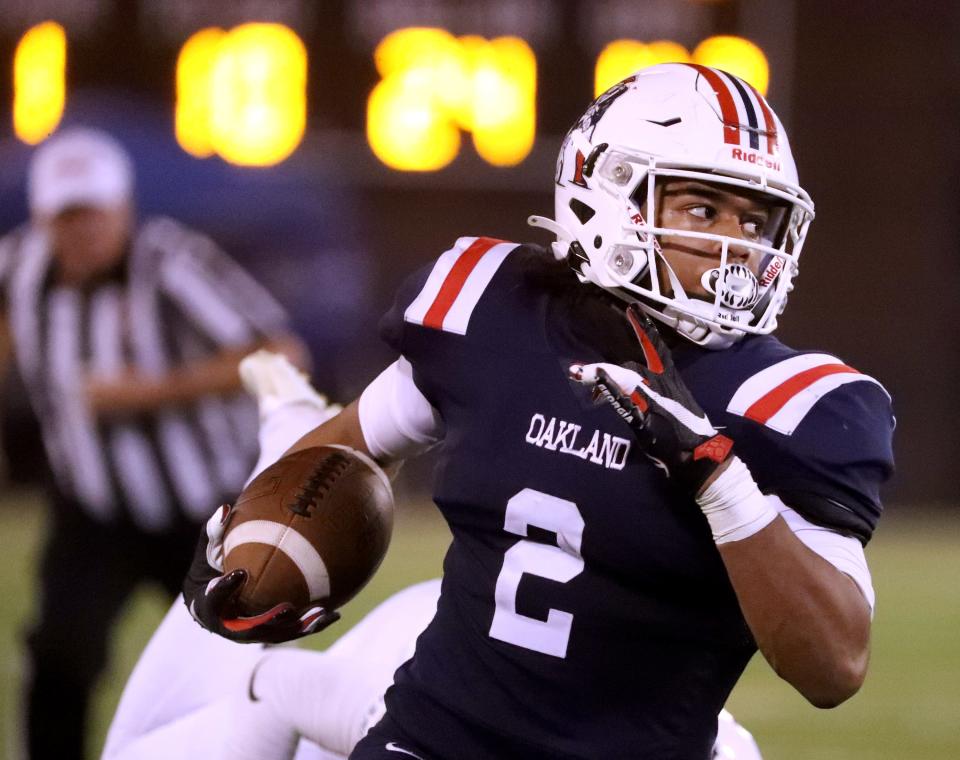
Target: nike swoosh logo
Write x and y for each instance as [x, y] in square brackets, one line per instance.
[253, 674]
[844, 507]
[666, 123]
[392, 747]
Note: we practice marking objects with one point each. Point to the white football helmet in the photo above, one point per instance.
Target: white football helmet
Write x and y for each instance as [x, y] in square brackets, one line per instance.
[679, 121]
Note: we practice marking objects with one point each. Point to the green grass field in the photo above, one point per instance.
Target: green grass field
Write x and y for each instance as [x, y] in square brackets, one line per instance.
[908, 710]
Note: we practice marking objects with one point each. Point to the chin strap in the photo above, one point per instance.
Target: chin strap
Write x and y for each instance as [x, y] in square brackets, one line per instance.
[561, 247]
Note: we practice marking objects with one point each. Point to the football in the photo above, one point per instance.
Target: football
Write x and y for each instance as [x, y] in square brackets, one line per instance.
[311, 528]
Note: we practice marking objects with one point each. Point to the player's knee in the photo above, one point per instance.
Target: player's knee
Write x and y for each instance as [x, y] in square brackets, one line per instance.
[288, 682]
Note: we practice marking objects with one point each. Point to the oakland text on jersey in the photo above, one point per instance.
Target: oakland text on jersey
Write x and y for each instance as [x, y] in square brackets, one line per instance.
[564, 437]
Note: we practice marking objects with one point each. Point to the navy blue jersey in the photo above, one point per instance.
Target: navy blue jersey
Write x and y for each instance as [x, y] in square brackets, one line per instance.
[585, 611]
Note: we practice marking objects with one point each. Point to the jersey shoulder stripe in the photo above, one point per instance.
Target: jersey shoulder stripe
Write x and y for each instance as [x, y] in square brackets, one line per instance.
[781, 395]
[456, 284]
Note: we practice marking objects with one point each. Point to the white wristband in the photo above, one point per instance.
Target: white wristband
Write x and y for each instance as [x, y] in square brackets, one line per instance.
[734, 506]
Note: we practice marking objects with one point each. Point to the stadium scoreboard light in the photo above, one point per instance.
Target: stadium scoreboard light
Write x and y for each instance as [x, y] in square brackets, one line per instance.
[39, 82]
[242, 93]
[739, 56]
[433, 85]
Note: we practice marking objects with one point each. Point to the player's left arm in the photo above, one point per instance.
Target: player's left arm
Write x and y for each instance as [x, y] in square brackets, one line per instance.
[811, 621]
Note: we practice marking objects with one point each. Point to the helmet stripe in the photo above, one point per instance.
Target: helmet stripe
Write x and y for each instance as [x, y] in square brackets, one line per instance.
[728, 108]
[769, 123]
[751, 112]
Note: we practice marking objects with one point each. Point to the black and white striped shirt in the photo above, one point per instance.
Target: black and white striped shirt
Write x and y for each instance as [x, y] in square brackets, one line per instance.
[177, 299]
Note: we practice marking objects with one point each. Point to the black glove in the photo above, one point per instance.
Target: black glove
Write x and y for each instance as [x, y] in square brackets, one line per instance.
[210, 596]
[667, 421]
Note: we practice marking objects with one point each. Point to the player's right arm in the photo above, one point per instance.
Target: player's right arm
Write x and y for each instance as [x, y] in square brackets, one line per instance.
[343, 429]
[391, 421]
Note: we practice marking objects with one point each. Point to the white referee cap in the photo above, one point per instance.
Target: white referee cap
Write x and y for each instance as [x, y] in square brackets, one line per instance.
[79, 166]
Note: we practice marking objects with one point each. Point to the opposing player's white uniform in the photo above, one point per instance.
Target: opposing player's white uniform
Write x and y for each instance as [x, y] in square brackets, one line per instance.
[196, 695]
[189, 696]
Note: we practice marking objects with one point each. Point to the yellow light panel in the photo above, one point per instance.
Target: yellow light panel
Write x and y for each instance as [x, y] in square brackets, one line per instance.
[411, 112]
[473, 53]
[259, 94]
[737, 56]
[194, 87]
[621, 58]
[39, 82]
[504, 101]
[667, 51]
[434, 84]
[416, 48]
[406, 128]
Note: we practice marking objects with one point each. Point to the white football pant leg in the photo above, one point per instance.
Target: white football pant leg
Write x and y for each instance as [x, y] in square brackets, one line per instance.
[183, 669]
[185, 678]
[734, 742]
[333, 698]
[282, 427]
[289, 406]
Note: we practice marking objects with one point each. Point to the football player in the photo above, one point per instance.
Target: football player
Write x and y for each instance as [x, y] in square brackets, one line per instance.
[644, 486]
[194, 695]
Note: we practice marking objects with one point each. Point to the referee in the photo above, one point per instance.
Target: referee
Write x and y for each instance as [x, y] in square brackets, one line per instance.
[127, 338]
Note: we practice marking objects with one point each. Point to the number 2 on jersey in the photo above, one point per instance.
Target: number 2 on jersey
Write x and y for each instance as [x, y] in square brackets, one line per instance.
[559, 563]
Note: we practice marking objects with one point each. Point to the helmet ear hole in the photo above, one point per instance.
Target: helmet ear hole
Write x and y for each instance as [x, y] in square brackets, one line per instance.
[597, 241]
[581, 210]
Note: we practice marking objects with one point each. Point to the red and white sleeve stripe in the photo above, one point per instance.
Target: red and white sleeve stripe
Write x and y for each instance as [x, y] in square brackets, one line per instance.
[781, 395]
[456, 284]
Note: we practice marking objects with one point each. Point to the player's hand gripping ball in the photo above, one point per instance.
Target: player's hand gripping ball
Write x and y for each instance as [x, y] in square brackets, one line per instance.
[302, 540]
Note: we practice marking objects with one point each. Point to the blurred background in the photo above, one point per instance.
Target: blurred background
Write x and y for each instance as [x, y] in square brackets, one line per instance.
[333, 146]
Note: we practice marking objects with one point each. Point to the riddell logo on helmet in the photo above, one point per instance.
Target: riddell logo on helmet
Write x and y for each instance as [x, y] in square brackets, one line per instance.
[755, 158]
[771, 272]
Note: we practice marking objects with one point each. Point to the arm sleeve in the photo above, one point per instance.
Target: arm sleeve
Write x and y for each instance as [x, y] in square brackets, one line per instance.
[215, 294]
[396, 418]
[843, 552]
